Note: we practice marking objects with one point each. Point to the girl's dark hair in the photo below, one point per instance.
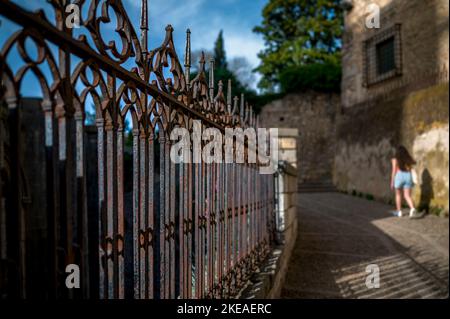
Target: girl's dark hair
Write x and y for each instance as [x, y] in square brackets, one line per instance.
[404, 159]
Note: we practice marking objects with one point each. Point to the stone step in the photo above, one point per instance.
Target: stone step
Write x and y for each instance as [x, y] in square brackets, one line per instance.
[316, 188]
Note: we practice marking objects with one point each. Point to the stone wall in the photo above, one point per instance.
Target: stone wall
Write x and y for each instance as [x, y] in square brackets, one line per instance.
[367, 137]
[410, 109]
[313, 115]
[424, 45]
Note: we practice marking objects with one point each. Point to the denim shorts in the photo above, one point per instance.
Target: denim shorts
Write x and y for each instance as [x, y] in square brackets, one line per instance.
[403, 180]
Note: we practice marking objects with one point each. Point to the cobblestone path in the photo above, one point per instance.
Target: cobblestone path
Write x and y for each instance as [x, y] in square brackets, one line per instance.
[340, 235]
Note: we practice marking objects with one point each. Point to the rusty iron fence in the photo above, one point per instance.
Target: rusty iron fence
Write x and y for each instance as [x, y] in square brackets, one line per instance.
[184, 230]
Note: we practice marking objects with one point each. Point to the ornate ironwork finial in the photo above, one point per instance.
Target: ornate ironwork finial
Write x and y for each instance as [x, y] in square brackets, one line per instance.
[144, 26]
[169, 28]
[247, 113]
[251, 118]
[242, 113]
[211, 79]
[219, 98]
[202, 63]
[236, 106]
[187, 57]
[229, 98]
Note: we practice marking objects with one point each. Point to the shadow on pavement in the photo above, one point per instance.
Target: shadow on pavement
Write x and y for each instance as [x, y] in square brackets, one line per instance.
[340, 235]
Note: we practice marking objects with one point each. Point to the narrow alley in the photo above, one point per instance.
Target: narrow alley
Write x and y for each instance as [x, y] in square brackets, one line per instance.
[340, 235]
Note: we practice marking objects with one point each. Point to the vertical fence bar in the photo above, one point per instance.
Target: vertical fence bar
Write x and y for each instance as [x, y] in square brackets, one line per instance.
[205, 221]
[51, 210]
[232, 228]
[229, 214]
[143, 211]
[81, 203]
[150, 233]
[208, 229]
[189, 248]
[213, 230]
[101, 206]
[201, 231]
[253, 191]
[238, 240]
[244, 223]
[64, 230]
[221, 244]
[182, 232]
[162, 214]
[214, 216]
[111, 207]
[259, 209]
[120, 236]
[256, 209]
[172, 222]
[197, 222]
[247, 214]
[167, 218]
[136, 212]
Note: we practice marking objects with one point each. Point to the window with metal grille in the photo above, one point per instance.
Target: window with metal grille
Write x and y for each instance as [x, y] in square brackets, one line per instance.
[382, 59]
[385, 56]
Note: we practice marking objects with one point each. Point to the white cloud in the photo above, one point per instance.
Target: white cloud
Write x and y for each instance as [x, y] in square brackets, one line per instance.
[249, 45]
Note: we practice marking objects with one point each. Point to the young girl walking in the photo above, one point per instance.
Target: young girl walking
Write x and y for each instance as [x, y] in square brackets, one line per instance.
[402, 180]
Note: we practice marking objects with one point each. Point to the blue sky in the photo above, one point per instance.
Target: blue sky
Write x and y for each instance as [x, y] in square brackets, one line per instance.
[205, 18]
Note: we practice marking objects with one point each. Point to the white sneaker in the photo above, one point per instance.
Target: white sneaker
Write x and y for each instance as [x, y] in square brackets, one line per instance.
[412, 213]
[398, 213]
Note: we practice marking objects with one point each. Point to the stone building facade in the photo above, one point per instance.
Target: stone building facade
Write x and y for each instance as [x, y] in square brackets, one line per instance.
[307, 134]
[395, 91]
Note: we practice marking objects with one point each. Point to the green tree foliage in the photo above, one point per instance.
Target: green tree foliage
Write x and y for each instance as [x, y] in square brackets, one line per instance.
[223, 73]
[321, 77]
[298, 33]
[220, 57]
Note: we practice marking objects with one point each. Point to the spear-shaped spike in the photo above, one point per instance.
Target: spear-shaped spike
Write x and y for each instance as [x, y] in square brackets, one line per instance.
[220, 92]
[229, 99]
[187, 57]
[202, 62]
[242, 107]
[247, 112]
[236, 106]
[144, 26]
[169, 30]
[211, 79]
